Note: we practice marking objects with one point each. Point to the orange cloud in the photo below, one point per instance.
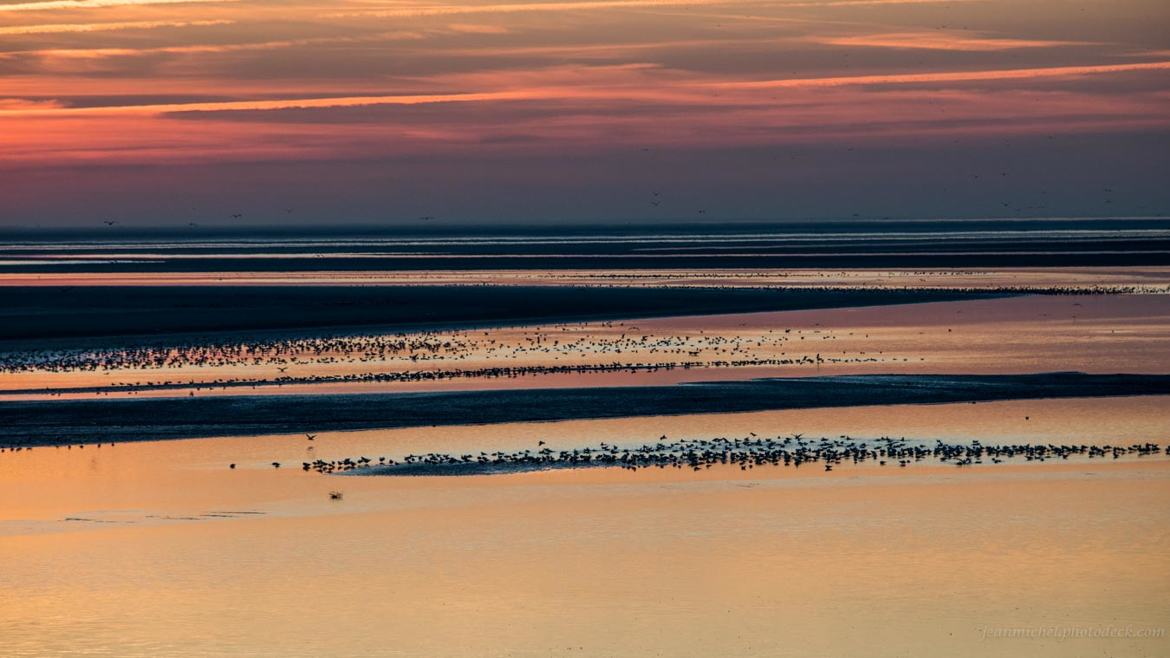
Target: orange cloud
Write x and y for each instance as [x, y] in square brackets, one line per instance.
[274, 104]
[96, 53]
[92, 4]
[405, 11]
[946, 76]
[938, 41]
[105, 27]
[475, 28]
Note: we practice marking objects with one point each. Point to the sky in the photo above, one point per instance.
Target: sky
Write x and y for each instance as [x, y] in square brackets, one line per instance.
[214, 112]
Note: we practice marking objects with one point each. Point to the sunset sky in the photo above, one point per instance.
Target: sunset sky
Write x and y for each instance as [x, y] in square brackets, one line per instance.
[357, 111]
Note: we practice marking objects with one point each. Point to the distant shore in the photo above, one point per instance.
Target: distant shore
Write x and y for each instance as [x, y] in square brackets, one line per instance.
[905, 244]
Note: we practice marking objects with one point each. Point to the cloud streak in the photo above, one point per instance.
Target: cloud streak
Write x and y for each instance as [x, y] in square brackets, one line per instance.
[277, 104]
[939, 41]
[98, 53]
[946, 76]
[92, 4]
[76, 28]
[407, 11]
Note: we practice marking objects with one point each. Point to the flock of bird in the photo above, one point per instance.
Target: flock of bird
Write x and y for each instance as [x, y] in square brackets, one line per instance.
[67, 446]
[436, 356]
[746, 453]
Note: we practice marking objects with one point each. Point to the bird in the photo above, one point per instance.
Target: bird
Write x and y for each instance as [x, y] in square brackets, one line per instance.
[232, 466]
[310, 436]
[109, 222]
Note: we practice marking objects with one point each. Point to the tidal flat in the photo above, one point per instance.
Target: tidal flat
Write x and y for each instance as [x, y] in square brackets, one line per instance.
[679, 460]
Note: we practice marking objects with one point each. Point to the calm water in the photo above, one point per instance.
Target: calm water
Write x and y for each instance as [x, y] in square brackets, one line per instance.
[159, 549]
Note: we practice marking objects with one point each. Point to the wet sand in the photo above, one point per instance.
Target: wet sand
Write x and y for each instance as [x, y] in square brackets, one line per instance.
[859, 561]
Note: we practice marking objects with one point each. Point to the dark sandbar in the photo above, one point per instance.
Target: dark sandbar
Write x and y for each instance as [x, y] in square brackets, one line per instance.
[31, 316]
[100, 420]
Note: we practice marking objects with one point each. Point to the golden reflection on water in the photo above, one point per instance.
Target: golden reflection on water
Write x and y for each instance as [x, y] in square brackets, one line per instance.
[860, 561]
